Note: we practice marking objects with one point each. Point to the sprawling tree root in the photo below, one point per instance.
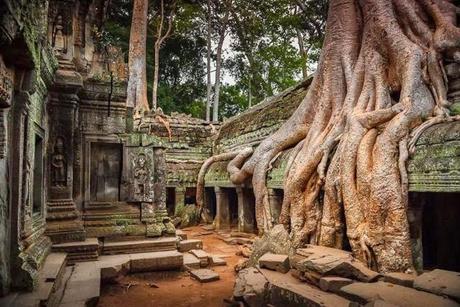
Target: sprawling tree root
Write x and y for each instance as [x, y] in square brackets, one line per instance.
[380, 76]
[238, 158]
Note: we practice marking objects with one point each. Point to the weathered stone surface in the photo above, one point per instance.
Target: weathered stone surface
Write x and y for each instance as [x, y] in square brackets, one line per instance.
[275, 262]
[159, 261]
[191, 262]
[250, 287]
[324, 261]
[188, 245]
[265, 287]
[380, 303]
[394, 294]
[181, 234]
[83, 286]
[333, 283]
[402, 279]
[217, 261]
[440, 282]
[140, 246]
[275, 241]
[204, 275]
[202, 255]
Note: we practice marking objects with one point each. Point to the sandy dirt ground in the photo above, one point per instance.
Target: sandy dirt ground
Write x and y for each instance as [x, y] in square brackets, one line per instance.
[177, 289]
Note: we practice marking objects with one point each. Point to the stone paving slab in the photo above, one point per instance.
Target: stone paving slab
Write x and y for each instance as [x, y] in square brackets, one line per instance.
[217, 261]
[275, 262]
[440, 282]
[402, 279]
[333, 283]
[204, 275]
[364, 293]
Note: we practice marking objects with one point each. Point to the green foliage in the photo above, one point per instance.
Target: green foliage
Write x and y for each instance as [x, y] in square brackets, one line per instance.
[264, 58]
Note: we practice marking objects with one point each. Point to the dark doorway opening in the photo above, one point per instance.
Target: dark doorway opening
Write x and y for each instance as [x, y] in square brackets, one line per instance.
[210, 203]
[38, 176]
[106, 160]
[171, 200]
[190, 196]
[440, 231]
[233, 206]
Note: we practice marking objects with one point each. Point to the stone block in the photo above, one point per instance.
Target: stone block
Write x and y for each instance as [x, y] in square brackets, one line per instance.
[325, 261]
[275, 262]
[159, 261]
[402, 279]
[440, 282]
[181, 234]
[202, 255]
[191, 262]
[364, 293]
[204, 275]
[188, 245]
[217, 261]
[333, 283]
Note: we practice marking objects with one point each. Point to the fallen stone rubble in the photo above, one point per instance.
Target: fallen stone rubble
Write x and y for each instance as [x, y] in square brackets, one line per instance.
[321, 276]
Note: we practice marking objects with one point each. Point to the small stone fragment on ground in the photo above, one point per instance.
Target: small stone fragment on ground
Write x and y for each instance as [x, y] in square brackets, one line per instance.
[275, 262]
[204, 275]
[217, 261]
[202, 256]
[440, 282]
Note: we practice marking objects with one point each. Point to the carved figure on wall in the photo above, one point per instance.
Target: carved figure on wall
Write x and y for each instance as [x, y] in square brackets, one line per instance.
[141, 177]
[59, 164]
[59, 39]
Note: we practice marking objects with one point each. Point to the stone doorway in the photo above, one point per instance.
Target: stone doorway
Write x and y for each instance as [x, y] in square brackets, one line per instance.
[171, 200]
[106, 161]
[440, 231]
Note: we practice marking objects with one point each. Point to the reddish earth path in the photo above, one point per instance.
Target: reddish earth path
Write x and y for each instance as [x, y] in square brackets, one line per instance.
[177, 289]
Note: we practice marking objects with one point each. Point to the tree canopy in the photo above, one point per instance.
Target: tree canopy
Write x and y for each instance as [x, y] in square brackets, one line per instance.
[269, 45]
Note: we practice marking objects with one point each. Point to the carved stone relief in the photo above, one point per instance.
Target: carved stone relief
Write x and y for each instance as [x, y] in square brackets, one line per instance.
[59, 164]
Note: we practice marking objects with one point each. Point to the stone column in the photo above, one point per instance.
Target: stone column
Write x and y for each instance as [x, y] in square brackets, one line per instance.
[180, 196]
[222, 219]
[63, 219]
[275, 200]
[245, 211]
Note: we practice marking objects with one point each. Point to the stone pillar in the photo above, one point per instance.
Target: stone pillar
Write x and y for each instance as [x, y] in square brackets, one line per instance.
[180, 196]
[245, 211]
[64, 222]
[275, 200]
[222, 219]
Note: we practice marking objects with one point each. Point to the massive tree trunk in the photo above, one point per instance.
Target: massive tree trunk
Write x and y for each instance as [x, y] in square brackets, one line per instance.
[380, 76]
[137, 79]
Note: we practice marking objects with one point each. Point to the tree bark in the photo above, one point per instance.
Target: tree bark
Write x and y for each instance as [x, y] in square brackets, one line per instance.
[208, 64]
[137, 78]
[380, 76]
[222, 33]
[158, 43]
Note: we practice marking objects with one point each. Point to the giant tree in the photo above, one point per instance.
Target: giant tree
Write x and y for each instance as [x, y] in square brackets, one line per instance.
[137, 78]
[379, 82]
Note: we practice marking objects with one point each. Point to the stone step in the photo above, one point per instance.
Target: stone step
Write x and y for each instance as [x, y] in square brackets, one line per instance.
[83, 286]
[188, 245]
[50, 280]
[191, 262]
[202, 256]
[140, 246]
[87, 250]
[62, 215]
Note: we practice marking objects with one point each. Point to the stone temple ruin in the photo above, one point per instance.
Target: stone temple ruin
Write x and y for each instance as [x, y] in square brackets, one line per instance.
[80, 179]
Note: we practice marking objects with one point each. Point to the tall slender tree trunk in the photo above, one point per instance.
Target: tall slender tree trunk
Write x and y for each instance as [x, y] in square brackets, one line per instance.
[158, 44]
[137, 77]
[303, 54]
[220, 44]
[215, 115]
[208, 64]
